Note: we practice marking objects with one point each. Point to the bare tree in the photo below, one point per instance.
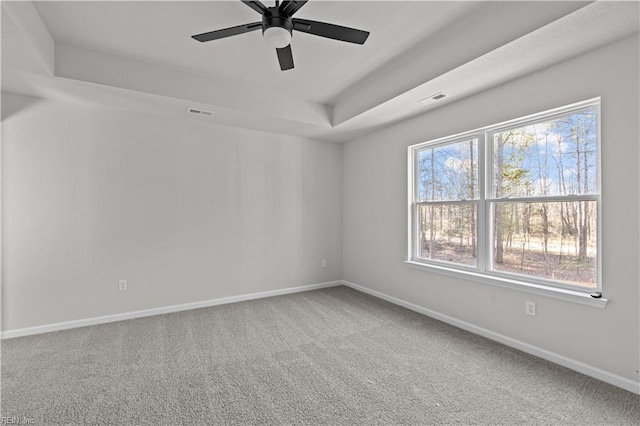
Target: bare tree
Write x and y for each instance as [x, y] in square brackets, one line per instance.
[472, 195]
[497, 217]
[433, 197]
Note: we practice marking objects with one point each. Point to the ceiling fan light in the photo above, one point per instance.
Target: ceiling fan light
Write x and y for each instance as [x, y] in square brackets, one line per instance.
[277, 37]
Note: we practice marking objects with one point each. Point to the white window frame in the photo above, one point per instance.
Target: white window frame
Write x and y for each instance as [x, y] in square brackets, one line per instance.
[483, 271]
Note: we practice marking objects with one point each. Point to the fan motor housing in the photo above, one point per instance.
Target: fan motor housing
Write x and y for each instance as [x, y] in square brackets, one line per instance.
[276, 19]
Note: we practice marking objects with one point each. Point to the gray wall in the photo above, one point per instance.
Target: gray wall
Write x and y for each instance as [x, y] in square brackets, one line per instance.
[375, 213]
[185, 211]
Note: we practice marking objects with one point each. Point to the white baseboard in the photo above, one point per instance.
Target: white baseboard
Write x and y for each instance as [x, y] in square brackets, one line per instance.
[580, 367]
[159, 311]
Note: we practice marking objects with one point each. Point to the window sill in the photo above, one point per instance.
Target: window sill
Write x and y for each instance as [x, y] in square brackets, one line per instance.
[513, 284]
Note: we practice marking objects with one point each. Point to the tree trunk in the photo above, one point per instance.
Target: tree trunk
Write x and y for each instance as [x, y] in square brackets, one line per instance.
[584, 232]
[561, 232]
[497, 217]
[433, 196]
[472, 196]
[545, 228]
[582, 207]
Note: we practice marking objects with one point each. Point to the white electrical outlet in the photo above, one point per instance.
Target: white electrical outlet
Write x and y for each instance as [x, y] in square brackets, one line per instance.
[123, 285]
[324, 263]
[530, 308]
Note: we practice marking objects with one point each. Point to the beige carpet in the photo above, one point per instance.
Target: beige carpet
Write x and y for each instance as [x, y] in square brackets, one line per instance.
[332, 356]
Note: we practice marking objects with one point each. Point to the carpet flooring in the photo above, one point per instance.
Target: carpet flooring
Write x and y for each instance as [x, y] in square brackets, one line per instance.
[333, 356]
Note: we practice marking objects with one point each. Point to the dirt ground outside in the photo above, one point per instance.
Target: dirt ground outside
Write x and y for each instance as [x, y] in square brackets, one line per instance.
[553, 266]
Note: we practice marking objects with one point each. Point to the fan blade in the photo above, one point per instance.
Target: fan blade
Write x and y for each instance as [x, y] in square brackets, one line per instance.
[291, 7]
[336, 32]
[257, 6]
[285, 57]
[227, 32]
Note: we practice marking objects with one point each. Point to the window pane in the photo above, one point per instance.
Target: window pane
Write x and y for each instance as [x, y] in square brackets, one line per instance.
[448, 233]
[448, 172]
[554, 157]
[555, 241]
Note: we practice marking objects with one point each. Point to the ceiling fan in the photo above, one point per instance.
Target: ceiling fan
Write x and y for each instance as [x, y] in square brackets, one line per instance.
[277, 29]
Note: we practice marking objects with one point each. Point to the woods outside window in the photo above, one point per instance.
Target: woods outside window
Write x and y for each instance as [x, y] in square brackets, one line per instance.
[519, 200]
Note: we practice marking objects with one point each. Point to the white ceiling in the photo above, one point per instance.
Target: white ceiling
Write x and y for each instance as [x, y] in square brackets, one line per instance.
[139, 56]
[159, 32]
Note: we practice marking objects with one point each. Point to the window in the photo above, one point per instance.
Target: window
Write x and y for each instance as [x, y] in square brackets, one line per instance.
[516, 202]
[447, 207]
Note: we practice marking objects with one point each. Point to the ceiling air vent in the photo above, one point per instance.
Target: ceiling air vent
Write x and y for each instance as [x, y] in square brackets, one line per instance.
[198, 111]
[435, 97]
